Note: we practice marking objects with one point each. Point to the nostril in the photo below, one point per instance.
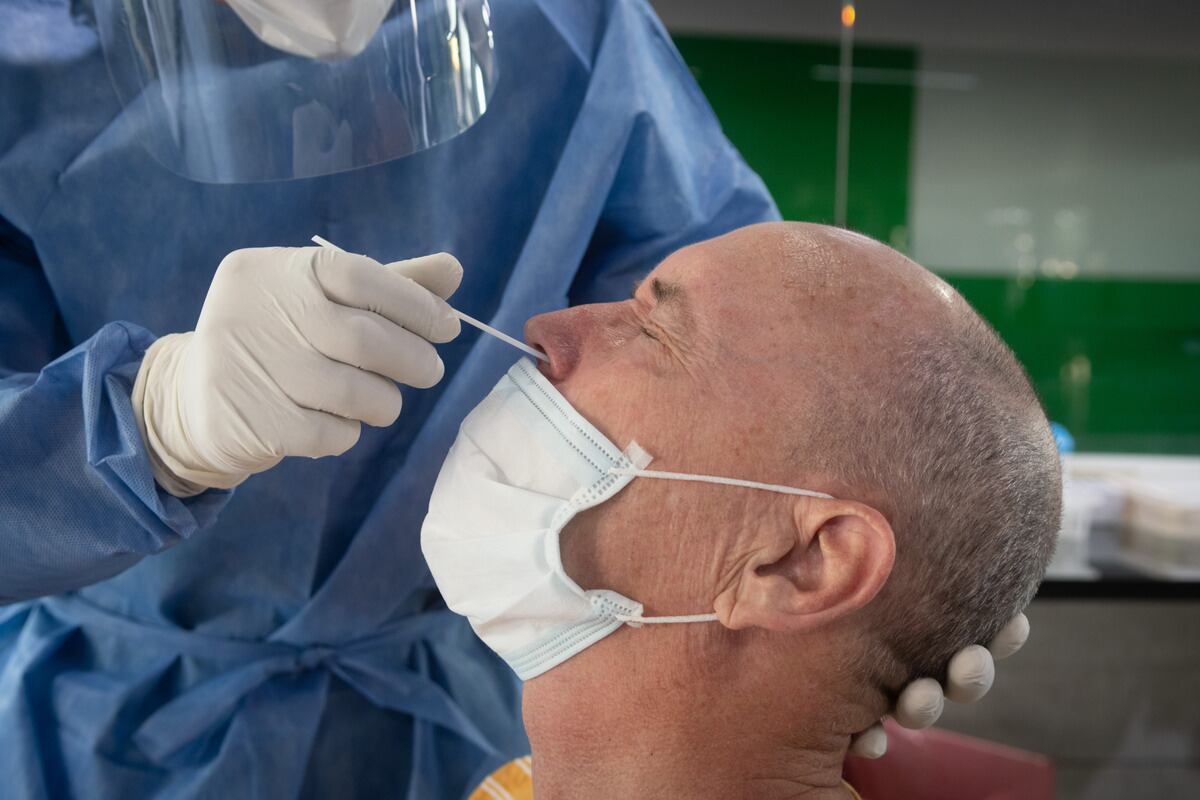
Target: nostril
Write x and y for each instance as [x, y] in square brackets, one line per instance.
[551, 334]
[534, 333]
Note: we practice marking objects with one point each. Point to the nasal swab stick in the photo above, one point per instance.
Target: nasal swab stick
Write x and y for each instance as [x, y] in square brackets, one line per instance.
[504, 337]
[483, 326]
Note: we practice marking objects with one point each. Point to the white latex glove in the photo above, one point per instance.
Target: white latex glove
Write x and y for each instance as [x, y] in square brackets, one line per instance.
[293, 349]
[968, 678]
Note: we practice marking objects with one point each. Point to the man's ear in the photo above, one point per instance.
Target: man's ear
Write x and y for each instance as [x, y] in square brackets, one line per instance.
[834, 560]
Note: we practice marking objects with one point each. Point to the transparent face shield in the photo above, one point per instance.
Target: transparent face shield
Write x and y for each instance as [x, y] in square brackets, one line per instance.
[213, 102]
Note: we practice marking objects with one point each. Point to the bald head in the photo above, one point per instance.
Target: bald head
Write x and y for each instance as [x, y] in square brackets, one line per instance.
[811, 357]
[806, 355]
[915, 405]
[843, 294]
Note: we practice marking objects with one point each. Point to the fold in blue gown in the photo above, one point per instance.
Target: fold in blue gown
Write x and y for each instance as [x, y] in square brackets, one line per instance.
[285, 639]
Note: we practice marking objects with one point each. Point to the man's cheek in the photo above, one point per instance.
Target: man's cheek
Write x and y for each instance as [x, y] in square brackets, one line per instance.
[615, 405]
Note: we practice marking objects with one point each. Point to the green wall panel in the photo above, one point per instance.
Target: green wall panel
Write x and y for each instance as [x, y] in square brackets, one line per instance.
[1117, 362]
[784, 122]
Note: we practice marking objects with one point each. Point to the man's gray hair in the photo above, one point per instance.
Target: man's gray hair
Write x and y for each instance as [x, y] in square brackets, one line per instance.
[946, 437]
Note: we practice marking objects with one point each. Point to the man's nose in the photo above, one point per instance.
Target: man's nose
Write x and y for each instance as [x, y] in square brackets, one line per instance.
[565, 336]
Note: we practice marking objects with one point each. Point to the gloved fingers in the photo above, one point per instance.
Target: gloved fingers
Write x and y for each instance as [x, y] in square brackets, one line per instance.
[372, 343]
[440, 273]
[1011, 637]
[316, 433]
[871, 743]
[322, 384]
[360, 282]
[920, 704]
[970, 674]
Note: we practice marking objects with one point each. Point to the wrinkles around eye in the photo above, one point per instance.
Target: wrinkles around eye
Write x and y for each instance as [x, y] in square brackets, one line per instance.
[665, 343]
[640, 317]
[671, 346]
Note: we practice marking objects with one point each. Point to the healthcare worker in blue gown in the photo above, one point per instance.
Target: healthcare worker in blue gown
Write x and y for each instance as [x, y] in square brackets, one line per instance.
[187, 610]
[283, 638]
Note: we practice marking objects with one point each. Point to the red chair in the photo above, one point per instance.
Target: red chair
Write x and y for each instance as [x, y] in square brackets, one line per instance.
[939, 765]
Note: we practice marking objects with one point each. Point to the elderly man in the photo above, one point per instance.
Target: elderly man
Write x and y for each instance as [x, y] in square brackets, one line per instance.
[851, 479]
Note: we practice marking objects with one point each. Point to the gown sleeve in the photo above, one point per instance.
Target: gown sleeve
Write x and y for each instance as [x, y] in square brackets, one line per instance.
[78, 501]
[679, 179]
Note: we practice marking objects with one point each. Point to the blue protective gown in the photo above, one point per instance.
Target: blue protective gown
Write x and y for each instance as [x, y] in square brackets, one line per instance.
[285, 639]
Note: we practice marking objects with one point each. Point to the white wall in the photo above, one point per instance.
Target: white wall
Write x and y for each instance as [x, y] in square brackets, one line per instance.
[1144, 28]
[1081, 165]
[1074, 149]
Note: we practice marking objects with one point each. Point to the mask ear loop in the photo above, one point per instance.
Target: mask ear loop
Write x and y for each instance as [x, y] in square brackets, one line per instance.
[684, 476]
[637, 620]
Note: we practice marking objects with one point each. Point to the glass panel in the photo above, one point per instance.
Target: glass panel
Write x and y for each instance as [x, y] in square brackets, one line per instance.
[1058, 191]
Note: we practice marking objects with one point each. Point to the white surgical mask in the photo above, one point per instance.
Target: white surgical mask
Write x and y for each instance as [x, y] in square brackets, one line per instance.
[524, 464]
[314, 28]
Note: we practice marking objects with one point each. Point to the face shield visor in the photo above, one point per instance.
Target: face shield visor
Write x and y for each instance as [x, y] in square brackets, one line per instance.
[213, 101]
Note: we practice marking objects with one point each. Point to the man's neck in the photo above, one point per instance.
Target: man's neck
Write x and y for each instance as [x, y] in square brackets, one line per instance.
[630, 742]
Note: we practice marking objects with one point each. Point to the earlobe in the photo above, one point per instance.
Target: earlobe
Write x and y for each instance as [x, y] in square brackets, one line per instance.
[840, 555]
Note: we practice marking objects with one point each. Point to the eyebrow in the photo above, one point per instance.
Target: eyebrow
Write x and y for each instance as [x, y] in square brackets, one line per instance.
[664, 291]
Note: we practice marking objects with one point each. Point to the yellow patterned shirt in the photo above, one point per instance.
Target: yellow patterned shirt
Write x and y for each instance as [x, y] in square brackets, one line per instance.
[514, 781]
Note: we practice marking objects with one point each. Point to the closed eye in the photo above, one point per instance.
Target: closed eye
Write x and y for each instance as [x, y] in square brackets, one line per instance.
[650, 333]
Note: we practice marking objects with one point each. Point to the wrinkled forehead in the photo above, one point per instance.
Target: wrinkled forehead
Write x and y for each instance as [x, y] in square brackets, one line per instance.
[749, 288]
[797, 268]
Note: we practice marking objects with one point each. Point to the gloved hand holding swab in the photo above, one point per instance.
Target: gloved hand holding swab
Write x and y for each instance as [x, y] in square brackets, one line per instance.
[483, 326]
